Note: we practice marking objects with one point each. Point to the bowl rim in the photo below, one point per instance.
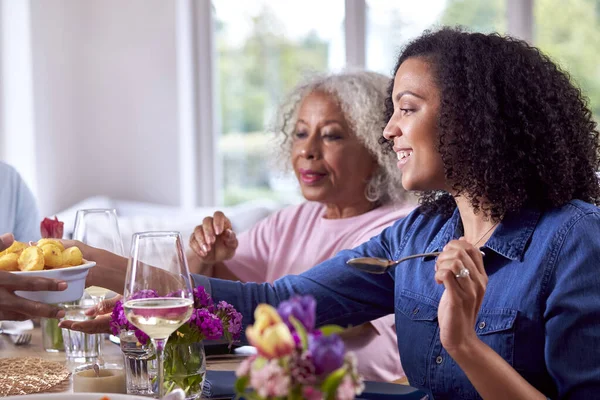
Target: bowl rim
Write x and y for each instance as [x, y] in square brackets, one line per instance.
[58, 271]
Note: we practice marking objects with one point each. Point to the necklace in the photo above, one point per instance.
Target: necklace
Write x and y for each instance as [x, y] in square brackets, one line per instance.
[485, 234]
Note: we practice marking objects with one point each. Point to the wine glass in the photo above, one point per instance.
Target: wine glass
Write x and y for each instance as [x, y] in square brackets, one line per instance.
[99, 228]
[158, 296]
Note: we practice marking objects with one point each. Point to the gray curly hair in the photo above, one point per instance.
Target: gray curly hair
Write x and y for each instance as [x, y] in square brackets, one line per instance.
[361, 95]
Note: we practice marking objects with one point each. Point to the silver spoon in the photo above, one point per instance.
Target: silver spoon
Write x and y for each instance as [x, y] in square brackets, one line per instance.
[376, 265]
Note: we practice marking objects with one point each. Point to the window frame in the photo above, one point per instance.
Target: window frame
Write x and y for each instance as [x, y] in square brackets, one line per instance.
[201, 166]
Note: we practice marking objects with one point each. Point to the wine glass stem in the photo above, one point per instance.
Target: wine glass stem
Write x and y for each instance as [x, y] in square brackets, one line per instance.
[159, 348]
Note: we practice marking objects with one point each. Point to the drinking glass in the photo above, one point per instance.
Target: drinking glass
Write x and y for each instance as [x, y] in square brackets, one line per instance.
[80, 347]
[99, 228]
[158, 295]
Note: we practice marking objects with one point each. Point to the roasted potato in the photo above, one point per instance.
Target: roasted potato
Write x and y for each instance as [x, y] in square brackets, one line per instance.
[53, 257]
[9, 262]
[55, 242]
[72, 256]
[31, 259]
[15, 247]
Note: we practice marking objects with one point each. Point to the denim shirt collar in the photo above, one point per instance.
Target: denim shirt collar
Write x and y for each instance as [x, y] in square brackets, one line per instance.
[509, 239]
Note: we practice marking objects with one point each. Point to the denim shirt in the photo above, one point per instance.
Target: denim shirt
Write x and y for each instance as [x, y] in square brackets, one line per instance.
[540, 311]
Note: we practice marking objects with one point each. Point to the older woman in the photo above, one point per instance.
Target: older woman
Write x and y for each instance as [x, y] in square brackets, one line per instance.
[329, 128]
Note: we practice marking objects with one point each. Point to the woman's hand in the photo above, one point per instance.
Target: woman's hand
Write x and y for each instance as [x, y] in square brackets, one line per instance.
[100, 324]
[110, 268]
[214, 241]
[461, 301]
[13, 307]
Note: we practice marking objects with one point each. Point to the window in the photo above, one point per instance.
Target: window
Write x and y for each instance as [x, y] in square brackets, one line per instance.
[567, 31]
[263, 48]
[392, 24]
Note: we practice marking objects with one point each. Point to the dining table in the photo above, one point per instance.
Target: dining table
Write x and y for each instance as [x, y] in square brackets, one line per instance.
[111, 354]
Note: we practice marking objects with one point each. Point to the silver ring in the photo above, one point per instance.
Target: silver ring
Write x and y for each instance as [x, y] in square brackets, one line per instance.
[463, 273]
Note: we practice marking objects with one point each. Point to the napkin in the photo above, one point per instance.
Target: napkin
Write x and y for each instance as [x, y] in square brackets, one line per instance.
[15, 327]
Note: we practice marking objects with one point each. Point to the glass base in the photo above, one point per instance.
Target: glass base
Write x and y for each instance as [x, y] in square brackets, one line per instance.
[83, 360]
[53, 350]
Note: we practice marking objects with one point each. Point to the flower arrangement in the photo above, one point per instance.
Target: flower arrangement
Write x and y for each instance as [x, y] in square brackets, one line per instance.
[295, 360]
[184, 360]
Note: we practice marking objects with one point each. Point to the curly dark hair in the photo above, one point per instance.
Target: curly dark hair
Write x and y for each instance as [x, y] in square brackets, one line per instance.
[512, 127]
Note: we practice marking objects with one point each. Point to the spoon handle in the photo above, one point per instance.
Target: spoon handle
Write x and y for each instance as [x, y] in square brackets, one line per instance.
[433, 254]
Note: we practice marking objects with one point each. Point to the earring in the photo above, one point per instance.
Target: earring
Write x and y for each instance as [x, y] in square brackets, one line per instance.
[373, 188]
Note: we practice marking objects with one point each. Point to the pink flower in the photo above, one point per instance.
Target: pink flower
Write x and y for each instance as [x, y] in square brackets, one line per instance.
[311, 393]
[244, 367]
[346, 390]
[270, 380]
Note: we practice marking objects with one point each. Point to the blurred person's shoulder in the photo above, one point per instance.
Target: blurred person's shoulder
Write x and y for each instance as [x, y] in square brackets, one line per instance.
[8, 173]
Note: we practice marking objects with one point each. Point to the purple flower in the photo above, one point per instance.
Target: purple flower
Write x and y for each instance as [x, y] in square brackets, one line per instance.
[144, 294]
[118, 321]
[141, 336]
[327, 353]
[302, 308]
[208, 323]
[232, 319]
[201, 298]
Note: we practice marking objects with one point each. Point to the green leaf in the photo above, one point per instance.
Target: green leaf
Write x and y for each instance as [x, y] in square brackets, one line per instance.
[331, 383]
[241, 384]
[301, 331]
[327, 330]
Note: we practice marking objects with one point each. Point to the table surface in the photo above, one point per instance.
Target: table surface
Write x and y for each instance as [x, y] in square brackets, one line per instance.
[110, 352]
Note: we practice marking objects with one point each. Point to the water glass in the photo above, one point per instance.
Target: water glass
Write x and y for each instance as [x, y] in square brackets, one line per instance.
[80, 347]
[51, 335]
[136, 358]
[99, 228]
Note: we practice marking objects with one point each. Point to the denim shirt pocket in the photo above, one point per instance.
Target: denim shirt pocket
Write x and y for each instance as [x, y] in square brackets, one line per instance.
[496, 328]
[417, 317]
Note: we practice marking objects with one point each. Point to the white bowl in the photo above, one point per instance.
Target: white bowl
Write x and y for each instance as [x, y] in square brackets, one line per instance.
[74, 276]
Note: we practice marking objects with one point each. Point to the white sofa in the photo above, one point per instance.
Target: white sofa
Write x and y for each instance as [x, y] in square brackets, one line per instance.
[140, 217]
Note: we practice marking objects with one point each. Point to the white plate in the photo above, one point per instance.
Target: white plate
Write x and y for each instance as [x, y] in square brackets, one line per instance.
[74, 276]
[76, 396]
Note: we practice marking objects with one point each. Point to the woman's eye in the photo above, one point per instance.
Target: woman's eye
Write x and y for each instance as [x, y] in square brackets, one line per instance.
[300, 135]
[406, 111]
[331, 136]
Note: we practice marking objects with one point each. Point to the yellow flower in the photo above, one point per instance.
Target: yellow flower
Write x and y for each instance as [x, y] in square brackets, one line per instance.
[269, 334]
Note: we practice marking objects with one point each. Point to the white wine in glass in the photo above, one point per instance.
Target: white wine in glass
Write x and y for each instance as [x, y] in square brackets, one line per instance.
[158, 296]
[99, 228]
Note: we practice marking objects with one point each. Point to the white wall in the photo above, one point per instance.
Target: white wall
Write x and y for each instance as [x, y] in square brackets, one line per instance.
[105, 101]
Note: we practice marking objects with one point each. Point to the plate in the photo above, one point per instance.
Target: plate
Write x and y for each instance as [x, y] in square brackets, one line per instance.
[74, 276]
[76, 396]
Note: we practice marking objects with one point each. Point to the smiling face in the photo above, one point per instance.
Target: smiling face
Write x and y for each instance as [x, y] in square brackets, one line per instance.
[330, 163]
[413, 126]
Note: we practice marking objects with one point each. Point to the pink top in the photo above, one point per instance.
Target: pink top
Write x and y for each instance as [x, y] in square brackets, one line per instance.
[296, 238]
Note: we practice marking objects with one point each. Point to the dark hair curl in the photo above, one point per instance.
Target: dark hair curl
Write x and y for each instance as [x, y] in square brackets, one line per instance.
[512, 127]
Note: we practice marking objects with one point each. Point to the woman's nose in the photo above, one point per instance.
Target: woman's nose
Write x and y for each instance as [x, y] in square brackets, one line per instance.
[391, 130]
[310, 149]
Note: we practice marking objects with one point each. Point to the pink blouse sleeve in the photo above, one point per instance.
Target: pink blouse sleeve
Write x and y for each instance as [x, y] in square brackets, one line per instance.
[251, 259]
